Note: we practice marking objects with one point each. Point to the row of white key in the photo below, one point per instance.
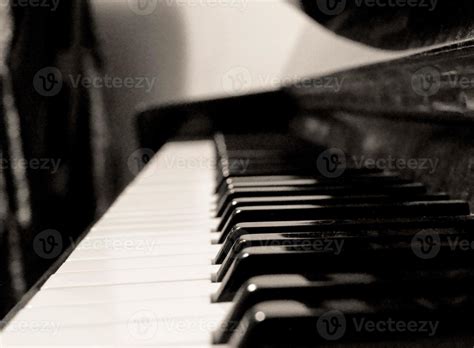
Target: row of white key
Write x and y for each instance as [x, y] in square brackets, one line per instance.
[141, 277]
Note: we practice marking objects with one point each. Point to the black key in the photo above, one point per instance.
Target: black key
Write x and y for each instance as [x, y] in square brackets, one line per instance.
[465, 222]
[335, 190]
[334, 243]
[229, 250]
[356, 257]
[273, 239]
[313, 182]
[276, 180]
[241, 168]
[269, 141]
[314, 212]
[403, 323]
[262, 180]
[330, 243]
[322, 200]
[362, 286]
[294, 180]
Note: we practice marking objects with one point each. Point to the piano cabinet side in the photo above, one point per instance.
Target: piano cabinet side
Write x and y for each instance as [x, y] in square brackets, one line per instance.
[438, 154]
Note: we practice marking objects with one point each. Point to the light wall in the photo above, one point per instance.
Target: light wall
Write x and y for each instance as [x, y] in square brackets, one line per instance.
[191, 49]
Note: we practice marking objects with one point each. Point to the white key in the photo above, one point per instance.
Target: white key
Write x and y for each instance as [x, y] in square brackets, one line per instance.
[106, 313]
[122, 293]
[141, 277]
[135, 248]
[129, 276]
[155, 262]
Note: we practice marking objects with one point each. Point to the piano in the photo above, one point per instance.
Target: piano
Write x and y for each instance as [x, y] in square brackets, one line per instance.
[301, 217]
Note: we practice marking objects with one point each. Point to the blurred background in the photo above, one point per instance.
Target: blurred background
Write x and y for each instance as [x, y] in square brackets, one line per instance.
[75, 73]
[198, 49]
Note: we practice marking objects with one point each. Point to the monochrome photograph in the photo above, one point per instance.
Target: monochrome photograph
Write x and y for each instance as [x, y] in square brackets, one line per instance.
[236, 173]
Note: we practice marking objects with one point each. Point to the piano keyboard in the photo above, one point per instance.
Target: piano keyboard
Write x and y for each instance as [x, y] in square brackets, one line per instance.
[256, 248]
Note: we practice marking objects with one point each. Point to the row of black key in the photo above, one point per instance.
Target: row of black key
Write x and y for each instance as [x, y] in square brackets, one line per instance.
[305, 257]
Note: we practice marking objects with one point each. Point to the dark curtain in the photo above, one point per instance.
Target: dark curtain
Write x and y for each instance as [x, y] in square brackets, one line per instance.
[54, 141]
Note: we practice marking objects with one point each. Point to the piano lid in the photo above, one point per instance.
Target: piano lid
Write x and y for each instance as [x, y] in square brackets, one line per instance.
[395, 24]
[430, 80]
